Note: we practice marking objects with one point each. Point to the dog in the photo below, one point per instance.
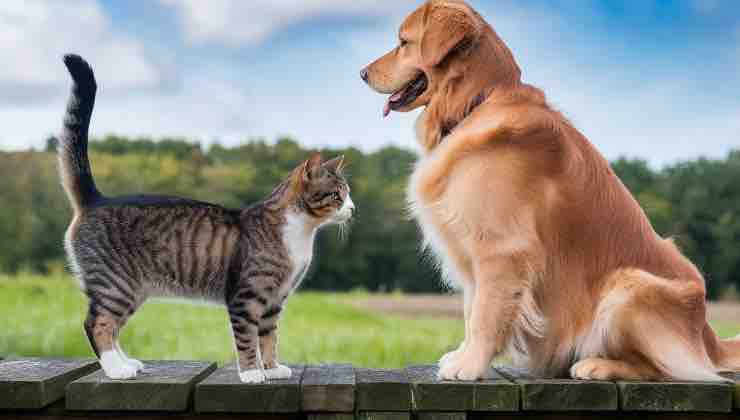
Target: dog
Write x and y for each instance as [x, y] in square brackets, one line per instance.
[559, 266]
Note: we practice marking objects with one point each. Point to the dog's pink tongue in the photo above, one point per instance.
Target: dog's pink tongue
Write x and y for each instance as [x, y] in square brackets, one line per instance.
[396, 96]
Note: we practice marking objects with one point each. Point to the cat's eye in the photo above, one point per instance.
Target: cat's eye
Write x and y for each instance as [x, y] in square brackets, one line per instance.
[403, 42]
[336, 196]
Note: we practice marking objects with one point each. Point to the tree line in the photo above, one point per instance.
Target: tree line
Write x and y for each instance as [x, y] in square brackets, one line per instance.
[697, 202]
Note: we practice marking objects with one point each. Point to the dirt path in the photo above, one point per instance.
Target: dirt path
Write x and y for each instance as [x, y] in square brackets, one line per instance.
[450, 306]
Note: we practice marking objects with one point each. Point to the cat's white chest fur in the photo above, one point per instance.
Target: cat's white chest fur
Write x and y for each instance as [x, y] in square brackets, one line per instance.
[298, 237]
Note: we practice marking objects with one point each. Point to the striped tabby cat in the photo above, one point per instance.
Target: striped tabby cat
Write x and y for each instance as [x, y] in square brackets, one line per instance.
[126, 249]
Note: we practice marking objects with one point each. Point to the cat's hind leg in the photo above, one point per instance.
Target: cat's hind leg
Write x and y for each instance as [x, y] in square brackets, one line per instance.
[133, 306]
[138, 365]
[100, 327]
[111, 302]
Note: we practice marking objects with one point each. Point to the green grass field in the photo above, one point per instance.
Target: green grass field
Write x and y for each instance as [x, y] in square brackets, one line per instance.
[42, 316]
[726, 329]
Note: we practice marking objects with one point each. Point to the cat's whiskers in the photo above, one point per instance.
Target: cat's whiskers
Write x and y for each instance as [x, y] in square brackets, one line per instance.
[341, 234]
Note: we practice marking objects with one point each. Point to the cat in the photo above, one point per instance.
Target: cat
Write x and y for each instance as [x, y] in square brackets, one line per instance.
[126, 249]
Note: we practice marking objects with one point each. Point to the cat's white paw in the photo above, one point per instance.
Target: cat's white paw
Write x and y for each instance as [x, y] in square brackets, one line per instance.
[252, 376]
[133, 362]
[137, 364]
[279, 372]
[115, 367]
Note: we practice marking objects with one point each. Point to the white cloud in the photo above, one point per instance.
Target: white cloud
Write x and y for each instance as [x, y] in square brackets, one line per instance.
[235, 22]
[204, 109]
[34, 34]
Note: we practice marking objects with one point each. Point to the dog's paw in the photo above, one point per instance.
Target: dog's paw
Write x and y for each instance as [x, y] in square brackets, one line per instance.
[449, 357]
[447, 372]
[115, 367]
[279, 372]
[592, 369]
[252, 376]
[462, 369]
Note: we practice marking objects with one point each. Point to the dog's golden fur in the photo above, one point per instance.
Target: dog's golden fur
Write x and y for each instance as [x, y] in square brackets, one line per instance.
[559, 264]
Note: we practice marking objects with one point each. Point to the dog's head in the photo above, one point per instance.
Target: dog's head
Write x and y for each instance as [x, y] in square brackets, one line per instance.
[447, 57]
[414, 70]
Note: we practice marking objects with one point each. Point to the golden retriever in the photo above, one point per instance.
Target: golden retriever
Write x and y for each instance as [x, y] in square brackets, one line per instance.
[558, 263]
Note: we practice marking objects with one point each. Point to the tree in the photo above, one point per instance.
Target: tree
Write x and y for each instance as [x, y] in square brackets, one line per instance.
[697, 202]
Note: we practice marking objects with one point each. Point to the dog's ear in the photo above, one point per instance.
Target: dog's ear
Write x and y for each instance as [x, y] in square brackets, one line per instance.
[447, 27]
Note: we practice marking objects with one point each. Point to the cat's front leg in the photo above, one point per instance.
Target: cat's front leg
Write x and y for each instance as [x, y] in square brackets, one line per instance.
[245, 325]
[273, 369]
[269, 343]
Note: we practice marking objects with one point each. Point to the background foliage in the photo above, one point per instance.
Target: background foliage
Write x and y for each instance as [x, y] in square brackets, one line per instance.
[698, 202]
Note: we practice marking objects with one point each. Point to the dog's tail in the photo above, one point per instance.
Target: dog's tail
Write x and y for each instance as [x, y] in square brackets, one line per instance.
[74, 165]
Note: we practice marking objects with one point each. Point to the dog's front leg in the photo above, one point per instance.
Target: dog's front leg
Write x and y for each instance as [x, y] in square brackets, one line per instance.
[499, 287]
[468, 295]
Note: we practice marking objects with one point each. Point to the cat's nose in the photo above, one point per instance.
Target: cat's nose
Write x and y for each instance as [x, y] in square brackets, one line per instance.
[363, 75]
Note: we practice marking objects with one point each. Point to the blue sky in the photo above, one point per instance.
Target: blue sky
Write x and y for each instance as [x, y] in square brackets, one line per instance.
[653, 79]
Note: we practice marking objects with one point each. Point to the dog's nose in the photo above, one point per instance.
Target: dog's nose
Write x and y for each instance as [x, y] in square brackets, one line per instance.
[363, 74]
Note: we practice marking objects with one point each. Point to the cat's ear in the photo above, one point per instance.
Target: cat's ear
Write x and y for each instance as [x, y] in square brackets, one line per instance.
[335, 165]
[311, 167]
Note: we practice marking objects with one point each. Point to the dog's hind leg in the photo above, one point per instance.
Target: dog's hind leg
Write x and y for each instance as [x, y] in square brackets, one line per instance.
[724, 353]
[650, 328]
[595, 368]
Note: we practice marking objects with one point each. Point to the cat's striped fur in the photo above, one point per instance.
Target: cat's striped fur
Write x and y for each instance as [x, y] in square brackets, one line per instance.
[126, 249]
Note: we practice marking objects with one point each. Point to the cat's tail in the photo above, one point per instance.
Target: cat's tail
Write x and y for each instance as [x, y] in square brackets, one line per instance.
[74, 166]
